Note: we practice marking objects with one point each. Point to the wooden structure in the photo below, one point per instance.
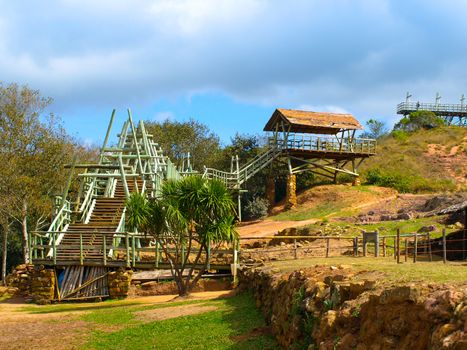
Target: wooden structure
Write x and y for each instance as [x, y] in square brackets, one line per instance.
[453, 114]
[89, 229]
[323, 143]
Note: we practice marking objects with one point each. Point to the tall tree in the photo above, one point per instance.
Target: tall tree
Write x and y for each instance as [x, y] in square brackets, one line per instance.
[34, 149]
[376, 129]
[179, 138]
[191, 215]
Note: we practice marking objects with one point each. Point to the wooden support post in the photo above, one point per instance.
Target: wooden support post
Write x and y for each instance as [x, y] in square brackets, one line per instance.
[444, 246]
[406, 247]
[398, 246]
[127, 244]
[364, 243]
[384, 246]
[133, 251]
[208, 255]
[327, 247]
[355, 246]
[104, 248]
[376, 243]
[157, 254]
[415, 248]
[235, 262]
[430, 257]
[81, 257]
[54, 247]
[295, 248]
[30, 245]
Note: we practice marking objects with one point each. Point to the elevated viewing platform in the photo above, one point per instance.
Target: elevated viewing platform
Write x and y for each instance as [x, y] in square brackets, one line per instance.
[452, 113]
[440, 109]
[312, 146]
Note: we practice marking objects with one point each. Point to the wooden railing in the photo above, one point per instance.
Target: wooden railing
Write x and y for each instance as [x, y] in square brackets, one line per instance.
[125, 250]
[306, 142]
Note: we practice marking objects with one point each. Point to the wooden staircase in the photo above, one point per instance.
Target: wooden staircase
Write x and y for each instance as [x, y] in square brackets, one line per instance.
[105, 217]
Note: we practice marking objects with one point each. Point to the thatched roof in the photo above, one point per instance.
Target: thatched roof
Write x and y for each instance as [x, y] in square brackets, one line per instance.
[312, 122]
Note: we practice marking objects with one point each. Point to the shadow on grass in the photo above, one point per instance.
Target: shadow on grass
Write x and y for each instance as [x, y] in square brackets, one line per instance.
[235, 324]
[247, 324]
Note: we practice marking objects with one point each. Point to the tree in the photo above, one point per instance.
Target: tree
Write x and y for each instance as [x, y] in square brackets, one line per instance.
[190, 216]
[179, 138]
[419, 120]
[376, 129]
[34, 149]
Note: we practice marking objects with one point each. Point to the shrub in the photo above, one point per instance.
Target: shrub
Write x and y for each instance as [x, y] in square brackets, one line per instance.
[256, 208]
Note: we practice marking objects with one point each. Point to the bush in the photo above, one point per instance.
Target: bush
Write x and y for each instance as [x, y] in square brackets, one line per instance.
[256, 208]
[406, 183]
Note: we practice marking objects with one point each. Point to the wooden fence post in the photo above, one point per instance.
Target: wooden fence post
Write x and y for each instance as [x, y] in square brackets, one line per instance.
[327, 247]
[376, 243]
[364, 243]
[430, 257]
[444, 246]
[398, 246]
[127, 243]
[406, 246]
[384, 246]
[355, 246]
[295, 248]
[415, 248]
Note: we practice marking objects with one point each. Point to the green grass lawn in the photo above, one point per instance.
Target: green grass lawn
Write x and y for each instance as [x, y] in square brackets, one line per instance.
[233, 324]
[405, 272]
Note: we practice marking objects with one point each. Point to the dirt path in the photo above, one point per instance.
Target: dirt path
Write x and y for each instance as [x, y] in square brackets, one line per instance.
[20, 330]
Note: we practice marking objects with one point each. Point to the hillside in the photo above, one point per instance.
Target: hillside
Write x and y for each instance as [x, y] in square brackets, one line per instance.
[424, 161]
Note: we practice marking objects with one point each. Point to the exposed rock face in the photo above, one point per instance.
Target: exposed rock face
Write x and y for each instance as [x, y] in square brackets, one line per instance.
[325, 308]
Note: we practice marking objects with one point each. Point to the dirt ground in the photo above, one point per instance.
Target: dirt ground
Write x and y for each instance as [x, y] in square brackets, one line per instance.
[173, 312]
[20, 330]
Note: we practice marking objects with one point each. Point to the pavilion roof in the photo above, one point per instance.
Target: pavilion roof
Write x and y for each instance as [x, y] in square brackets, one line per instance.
[312, 122]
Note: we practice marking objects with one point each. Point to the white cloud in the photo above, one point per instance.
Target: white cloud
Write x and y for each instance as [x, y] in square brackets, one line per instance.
[162, 116]
[337, 55]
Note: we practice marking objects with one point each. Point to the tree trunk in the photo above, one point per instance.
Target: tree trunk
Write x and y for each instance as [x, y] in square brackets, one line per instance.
[4, 253]
[24, 231]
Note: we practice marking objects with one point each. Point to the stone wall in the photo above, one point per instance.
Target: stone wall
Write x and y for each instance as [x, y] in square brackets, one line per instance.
[34, 283]
[119, 283]
[337, 308]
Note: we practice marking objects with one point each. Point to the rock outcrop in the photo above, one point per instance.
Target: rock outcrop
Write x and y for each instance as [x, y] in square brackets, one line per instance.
[336, 308]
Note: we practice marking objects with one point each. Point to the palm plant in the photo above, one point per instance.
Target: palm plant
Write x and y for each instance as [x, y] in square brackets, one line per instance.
[189, 217]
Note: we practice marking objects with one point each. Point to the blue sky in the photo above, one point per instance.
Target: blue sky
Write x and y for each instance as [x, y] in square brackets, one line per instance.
[230, 63]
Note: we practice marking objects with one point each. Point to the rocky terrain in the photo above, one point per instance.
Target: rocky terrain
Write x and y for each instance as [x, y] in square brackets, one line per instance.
[334, 307]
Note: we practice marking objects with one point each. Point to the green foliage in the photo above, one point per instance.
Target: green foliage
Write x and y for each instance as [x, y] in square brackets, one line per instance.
[328, 304]
[137, 211]
[376, 129]
[179, 138]
[191, 212]
[403, 161]
[419, 120]
[405, 183]
[256, 208]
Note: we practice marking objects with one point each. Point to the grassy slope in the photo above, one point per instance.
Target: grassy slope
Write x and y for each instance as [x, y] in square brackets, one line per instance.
[405, 272]
[408, 157]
